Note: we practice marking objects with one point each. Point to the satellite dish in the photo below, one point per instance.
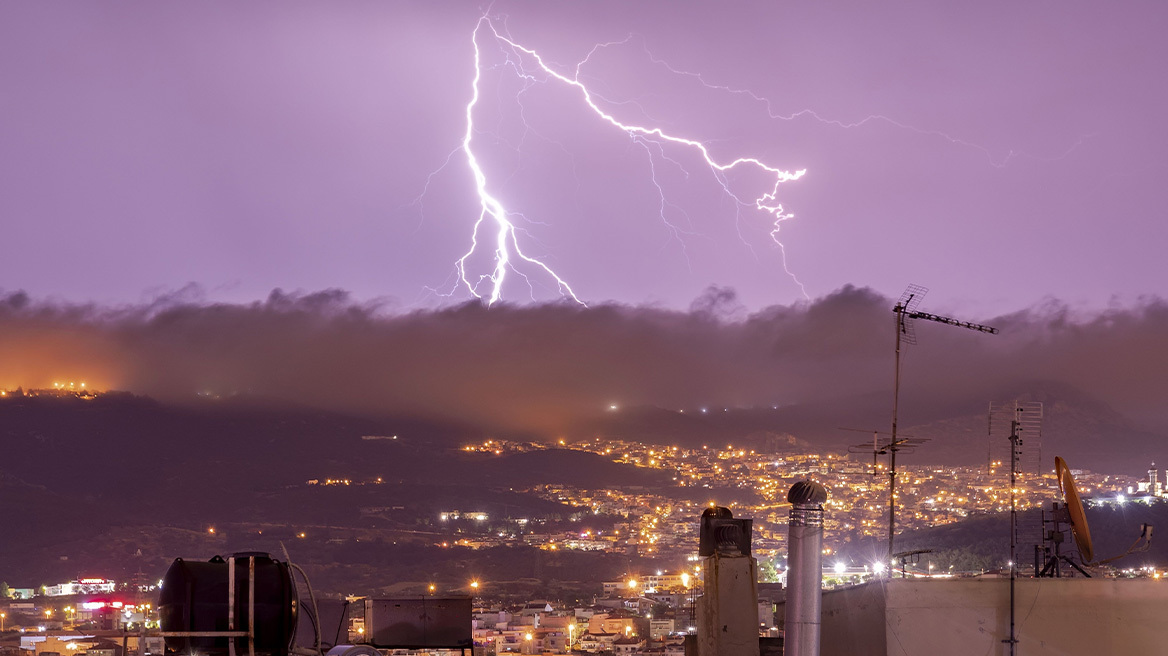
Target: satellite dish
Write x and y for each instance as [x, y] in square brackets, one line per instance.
[1079, 527]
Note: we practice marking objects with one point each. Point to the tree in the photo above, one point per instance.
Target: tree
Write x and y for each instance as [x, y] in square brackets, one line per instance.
[767, 572]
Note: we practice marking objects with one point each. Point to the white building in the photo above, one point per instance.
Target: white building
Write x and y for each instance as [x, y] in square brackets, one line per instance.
[83, 586]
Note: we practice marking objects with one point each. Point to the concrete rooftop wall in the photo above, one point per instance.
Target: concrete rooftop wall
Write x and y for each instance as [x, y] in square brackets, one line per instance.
[958, 617]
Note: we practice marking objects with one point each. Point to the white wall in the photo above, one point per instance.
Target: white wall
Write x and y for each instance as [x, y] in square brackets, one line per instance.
[958, 617]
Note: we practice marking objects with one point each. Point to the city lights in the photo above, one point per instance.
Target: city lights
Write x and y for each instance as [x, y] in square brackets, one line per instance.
[656, 522]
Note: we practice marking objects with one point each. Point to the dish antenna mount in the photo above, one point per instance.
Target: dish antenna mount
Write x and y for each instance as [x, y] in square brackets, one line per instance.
[1071, 513]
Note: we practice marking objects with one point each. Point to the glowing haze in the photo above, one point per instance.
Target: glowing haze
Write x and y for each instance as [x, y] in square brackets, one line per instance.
[997, 153]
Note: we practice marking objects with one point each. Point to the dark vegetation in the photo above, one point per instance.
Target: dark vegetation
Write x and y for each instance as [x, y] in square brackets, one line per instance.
[118, 484]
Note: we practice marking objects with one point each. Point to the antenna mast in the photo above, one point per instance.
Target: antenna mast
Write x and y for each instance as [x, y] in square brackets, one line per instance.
[906, 312]
[1015, 451]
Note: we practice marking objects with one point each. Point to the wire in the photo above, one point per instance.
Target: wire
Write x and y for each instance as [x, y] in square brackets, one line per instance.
[315, 616]
[315, 611]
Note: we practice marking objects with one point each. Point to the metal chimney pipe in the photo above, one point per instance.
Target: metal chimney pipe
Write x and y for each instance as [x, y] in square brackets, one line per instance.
[804, 568]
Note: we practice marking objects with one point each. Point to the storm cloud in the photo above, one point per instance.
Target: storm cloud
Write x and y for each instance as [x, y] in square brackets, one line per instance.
[543, 367]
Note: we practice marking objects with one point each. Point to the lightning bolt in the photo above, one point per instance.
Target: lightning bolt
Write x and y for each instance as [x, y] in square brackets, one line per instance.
[496, 224]
[995, 161]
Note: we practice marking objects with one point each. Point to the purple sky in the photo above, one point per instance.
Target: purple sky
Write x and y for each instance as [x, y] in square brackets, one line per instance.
[996, 152]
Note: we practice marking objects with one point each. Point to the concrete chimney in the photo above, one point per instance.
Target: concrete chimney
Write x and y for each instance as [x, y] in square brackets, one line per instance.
[804, 568]
[727, 612]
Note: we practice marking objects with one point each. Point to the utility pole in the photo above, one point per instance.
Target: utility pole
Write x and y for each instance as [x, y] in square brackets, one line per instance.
[906, 312]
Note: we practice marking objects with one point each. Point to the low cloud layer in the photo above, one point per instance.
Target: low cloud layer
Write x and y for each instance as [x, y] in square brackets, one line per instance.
[545, 367]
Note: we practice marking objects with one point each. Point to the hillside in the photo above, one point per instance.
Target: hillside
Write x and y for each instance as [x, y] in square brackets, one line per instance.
[982, 542]
[118, 483]
[1076, 426]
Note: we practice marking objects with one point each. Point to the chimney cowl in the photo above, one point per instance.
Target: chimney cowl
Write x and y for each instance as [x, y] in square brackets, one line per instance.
[807, 492]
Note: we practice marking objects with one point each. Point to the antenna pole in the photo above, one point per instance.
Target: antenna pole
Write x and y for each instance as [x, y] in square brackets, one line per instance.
[1014, 443]
[905, 310]
[900, 328]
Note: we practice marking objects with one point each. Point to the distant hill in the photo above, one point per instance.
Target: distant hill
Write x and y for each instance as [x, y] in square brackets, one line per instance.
[1076, 426]
[87, 483]
[112, 446]
[1086, 432]
[983, 542]
[568, 467]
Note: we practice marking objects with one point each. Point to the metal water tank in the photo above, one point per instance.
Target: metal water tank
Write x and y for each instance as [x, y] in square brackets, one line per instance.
[214, 596]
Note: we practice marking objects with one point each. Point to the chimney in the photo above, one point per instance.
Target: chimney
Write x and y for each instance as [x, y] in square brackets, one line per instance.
[804, 568]
[727, 612]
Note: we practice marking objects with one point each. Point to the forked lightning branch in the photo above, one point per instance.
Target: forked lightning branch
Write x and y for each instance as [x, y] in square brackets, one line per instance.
[494, 228]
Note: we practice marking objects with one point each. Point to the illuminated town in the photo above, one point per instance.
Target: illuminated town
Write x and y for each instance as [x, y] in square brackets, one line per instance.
[643, 611]
[660, 523]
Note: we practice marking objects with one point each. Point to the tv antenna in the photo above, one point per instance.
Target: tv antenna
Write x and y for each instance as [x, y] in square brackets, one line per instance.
[906, 312]
[883, 444]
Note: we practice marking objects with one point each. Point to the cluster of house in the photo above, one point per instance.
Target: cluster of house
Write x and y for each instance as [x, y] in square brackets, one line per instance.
[539, 628]
[91, 643]
[647, 615]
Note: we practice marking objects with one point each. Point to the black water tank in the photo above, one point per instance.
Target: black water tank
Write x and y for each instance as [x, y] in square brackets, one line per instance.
[194, 597]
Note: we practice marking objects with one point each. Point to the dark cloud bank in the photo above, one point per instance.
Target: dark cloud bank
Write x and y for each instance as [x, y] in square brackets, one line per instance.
[543, 368]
